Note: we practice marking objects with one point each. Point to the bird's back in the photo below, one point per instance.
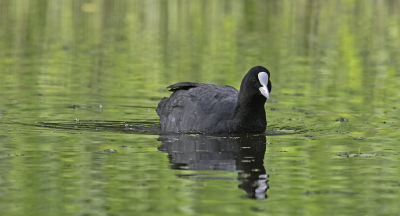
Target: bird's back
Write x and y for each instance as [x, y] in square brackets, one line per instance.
[197, 108]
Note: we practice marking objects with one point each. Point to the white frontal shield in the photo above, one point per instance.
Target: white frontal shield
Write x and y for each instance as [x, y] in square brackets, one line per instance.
[263, 78]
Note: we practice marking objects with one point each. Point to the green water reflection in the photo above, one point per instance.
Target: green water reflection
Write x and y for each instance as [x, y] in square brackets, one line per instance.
[79, 77]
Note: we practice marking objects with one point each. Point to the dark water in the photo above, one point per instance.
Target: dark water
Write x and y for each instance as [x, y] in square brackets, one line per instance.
[80, 77]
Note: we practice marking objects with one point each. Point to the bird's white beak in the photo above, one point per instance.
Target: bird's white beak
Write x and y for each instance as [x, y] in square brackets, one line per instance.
[263, 78]
[264, 91]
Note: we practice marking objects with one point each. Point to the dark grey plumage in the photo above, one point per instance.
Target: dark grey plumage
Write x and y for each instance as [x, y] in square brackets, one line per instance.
[206, 108]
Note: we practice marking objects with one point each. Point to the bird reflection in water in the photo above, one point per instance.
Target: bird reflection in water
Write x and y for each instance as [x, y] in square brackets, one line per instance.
[244, 153]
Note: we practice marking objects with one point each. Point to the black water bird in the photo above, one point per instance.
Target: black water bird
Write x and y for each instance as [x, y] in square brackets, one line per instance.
[207, 108]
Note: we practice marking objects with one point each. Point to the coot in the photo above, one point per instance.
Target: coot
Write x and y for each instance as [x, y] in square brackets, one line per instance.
[206, 108]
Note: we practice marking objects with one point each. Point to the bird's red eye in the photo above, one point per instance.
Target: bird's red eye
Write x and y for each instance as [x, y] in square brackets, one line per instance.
[254, 79]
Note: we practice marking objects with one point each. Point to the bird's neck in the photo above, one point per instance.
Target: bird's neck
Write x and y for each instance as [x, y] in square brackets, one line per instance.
[246, 103]
[250, 113]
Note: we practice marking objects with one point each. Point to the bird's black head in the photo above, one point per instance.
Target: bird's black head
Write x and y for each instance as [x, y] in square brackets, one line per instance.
[256, 82]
